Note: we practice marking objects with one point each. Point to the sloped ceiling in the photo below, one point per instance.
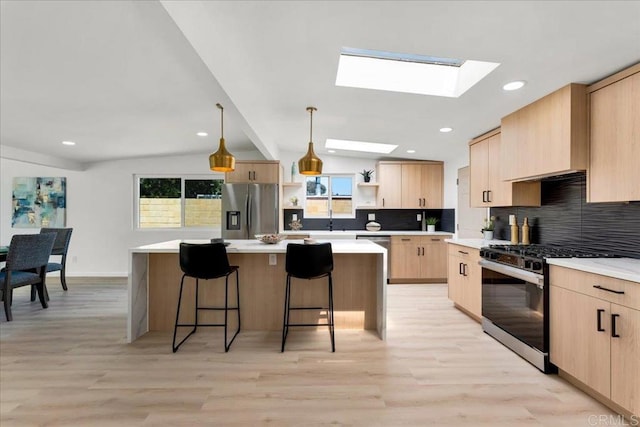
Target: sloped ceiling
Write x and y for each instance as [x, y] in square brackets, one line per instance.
[128, 79]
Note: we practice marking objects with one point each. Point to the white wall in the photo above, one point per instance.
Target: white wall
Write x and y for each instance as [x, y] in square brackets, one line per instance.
[100, 208]
[100, 203]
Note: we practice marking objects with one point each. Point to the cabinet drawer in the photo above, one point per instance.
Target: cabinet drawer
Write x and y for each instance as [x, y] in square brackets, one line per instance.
[464, 252]
[610, 289]
[403, 240]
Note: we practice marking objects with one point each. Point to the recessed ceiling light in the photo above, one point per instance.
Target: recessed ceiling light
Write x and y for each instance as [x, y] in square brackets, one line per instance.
[202, 134]
[411, 151]
[513, 85]
[399, 72]
[445, 130]
[331, 151]
[68, 143]
[368, 147]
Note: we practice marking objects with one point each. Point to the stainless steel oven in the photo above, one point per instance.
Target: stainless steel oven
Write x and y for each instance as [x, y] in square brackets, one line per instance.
[515, 296]
[515, 304]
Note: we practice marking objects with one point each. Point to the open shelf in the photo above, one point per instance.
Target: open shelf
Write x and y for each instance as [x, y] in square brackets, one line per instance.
[292, 184]
[368, 184]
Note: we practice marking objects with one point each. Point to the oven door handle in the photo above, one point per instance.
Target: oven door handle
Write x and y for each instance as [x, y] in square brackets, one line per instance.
[527, 276]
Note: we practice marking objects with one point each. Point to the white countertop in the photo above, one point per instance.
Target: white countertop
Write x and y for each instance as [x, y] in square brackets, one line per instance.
[340, 246]
[620, 268]
[351, 234]
[476, 243]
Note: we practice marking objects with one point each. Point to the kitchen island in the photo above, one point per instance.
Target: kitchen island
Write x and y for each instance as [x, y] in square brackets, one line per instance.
[359, 278]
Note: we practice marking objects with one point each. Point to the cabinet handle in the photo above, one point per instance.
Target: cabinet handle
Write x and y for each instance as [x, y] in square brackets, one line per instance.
[383, 202]
[424, 201]
[608, 290]
[463, 252]
[489, 196]
[614, 334]
[254, 175]
[418, 248]
[464, 270]
[599, 315]
[435, 240]
[249, 178]
[423, 251]
[406, 240]
[460, 268]
[484, 197]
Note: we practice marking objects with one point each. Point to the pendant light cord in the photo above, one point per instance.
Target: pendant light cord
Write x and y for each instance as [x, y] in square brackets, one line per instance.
[221, 120]
[311, 110]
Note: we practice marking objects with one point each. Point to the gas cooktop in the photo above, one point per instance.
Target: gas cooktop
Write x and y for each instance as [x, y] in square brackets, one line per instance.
[548, 251]
[532, 257]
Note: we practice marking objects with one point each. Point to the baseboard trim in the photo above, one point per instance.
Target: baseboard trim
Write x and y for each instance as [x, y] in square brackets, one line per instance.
[591, 392]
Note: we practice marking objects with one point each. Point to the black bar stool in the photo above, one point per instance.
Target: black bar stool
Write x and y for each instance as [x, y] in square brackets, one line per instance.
[308, 262]
[206, 261]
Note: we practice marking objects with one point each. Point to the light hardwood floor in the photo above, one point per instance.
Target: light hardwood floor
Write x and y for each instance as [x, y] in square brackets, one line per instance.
[69, 365]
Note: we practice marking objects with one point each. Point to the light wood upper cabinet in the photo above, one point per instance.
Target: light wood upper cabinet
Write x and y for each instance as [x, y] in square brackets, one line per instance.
[547, 137]
[410, 185]
[595, 333]
[614, 175]
[486, 186]
[254, 172]
[422, 185]
[390, 188]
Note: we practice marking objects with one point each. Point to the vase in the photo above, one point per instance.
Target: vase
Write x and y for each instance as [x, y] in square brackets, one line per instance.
[431, 228]
[488, 234]
[367, 179]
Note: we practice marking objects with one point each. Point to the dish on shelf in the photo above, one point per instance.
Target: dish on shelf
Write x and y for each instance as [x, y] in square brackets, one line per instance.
[271, 239]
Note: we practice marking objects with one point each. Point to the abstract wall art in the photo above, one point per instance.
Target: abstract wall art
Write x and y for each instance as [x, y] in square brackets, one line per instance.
[39, 202]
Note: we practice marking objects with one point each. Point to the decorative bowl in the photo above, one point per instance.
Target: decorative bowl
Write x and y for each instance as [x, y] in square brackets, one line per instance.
[270, 239]
[373, 226]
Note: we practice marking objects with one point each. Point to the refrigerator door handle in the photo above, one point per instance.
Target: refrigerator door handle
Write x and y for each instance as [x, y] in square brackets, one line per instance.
[248, 211]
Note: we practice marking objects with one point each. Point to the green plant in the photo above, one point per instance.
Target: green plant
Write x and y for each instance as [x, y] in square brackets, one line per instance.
[366, 174]
[432, 220]
[488, 223]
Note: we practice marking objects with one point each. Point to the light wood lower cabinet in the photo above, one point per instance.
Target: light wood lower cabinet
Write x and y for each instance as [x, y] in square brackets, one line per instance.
[418, 259]
[595, 333]
[465, 279]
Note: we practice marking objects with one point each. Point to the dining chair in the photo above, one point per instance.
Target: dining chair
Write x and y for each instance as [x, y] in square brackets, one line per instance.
[26, 265]
[60, 248]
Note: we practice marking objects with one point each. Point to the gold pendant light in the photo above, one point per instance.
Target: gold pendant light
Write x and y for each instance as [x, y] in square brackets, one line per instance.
[222, 160]
[310, 164]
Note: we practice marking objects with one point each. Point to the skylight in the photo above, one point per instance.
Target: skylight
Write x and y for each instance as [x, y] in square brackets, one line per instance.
[367, 147]
[399, 72]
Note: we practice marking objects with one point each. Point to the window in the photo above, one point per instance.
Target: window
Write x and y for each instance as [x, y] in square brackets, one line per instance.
[329, 196]
[175, 202]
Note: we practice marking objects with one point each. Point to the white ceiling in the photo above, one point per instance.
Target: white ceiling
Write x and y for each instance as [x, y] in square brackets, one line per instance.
[130, 79]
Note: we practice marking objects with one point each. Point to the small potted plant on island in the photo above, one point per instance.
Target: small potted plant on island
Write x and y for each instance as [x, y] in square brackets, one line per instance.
[431, 224]
[366, 174]
[487, 230]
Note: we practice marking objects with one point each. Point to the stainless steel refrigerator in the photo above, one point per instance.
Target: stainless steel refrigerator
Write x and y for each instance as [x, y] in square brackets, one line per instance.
[249, 209]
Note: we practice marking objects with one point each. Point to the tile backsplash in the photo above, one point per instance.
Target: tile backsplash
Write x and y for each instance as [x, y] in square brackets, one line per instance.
[389, 219]
[566, 219]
